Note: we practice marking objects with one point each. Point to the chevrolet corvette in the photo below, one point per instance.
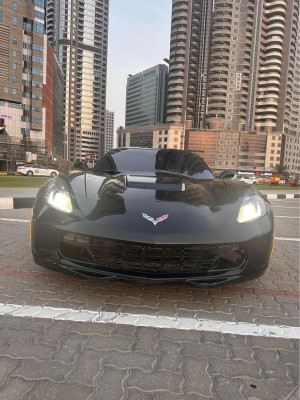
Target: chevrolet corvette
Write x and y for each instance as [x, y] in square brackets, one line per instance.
[152, 216]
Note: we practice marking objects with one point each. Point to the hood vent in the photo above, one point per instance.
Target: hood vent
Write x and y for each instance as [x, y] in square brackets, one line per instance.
[137, 182]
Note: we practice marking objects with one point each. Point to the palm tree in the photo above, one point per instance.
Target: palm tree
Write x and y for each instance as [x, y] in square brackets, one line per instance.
[282, 170]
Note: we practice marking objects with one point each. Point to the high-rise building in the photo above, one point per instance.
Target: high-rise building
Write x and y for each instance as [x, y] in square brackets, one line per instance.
[109, 130]
[233, 67]
[232, 60]
[189, 56]
[80, 31]
[58, 130]
[292, 138]
[275, 100]
[23, 60]
[53, 103]
[146, 97]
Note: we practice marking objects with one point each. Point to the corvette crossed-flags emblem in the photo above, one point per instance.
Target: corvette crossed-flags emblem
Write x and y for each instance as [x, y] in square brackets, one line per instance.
[157, 220]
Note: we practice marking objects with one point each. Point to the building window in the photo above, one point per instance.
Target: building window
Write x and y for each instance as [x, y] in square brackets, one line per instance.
[25, 132]
[37, 47]
[14, 66]
[15, 41]
[39, 3]
[38, 27]
[5, 89]
[14, 79]
[14, 53]
[15, 20]
[15, 6]
[1, 15]
[39, 14]
[14, 91]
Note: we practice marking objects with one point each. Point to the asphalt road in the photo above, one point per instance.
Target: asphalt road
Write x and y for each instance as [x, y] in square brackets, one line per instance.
[135, 353]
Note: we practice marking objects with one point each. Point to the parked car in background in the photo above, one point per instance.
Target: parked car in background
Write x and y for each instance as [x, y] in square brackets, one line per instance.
[37, 170]
[251, 180]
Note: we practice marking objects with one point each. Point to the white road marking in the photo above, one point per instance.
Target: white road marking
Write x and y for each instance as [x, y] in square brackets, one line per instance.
[288, 239]
[144, 320]
[284, 207]
[14, 220]
[284, 216]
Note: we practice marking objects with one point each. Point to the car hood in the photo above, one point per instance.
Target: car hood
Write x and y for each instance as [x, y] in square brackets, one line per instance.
[130, 205]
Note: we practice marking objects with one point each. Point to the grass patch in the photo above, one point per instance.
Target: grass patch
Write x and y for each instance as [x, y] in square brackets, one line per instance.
[22, 181]
[273, 187]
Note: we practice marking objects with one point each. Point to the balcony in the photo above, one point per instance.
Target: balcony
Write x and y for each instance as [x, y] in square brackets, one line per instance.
[269, 83]
[272, 68]
[176, 74]
[269, 75]
[273, 58]
[277, 19]
[274, 40]
[273, 47]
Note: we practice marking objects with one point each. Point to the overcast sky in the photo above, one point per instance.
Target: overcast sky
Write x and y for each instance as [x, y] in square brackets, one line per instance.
[139, 38]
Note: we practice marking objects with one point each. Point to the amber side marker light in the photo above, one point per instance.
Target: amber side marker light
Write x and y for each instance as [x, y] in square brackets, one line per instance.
[30, 227]
[273, 246]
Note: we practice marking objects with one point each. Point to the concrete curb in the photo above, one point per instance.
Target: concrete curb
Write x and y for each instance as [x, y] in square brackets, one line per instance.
[10, 203]
[282, 196]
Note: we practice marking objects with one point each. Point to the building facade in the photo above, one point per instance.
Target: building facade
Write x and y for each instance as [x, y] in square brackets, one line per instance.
[277, 67]
[189, 62]
[146, 97]
[166, 136]
[232, 61]
[239, 151]
[109, 130]
[23, 52]
[58, 129]
[234, 66]
[80, 31]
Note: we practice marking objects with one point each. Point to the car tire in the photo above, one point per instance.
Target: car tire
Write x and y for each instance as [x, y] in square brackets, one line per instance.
[29, 173]
[254, 183]
[53, 174]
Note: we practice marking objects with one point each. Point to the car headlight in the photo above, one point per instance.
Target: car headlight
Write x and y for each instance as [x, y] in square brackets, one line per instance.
[251, 209]
[60, 200]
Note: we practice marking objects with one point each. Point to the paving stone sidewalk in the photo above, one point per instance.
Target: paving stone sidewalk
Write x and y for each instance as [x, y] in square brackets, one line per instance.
[57, 360]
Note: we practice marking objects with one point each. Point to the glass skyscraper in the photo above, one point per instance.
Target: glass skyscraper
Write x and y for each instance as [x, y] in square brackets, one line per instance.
[80, 31]
[146, 97]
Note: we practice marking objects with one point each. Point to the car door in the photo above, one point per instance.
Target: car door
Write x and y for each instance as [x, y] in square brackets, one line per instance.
[43, 170]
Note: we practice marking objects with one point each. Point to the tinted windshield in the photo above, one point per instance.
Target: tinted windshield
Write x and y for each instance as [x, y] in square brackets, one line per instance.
[151, 161]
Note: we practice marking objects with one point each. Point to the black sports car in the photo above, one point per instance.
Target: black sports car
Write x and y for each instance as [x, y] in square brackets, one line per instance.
[152, 216]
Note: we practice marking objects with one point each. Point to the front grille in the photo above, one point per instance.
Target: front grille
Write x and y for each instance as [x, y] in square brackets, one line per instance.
[116, 255]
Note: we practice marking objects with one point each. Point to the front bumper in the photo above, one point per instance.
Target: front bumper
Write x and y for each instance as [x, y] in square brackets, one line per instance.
[249, 259]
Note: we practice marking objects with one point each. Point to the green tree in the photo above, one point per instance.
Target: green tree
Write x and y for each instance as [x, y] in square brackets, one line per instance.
[282, 170]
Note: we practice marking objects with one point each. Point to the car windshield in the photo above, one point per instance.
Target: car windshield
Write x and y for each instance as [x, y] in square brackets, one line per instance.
[152, 161]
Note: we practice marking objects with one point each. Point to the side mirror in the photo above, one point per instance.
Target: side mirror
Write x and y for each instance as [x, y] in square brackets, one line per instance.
[226, 174]
[81, 166]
